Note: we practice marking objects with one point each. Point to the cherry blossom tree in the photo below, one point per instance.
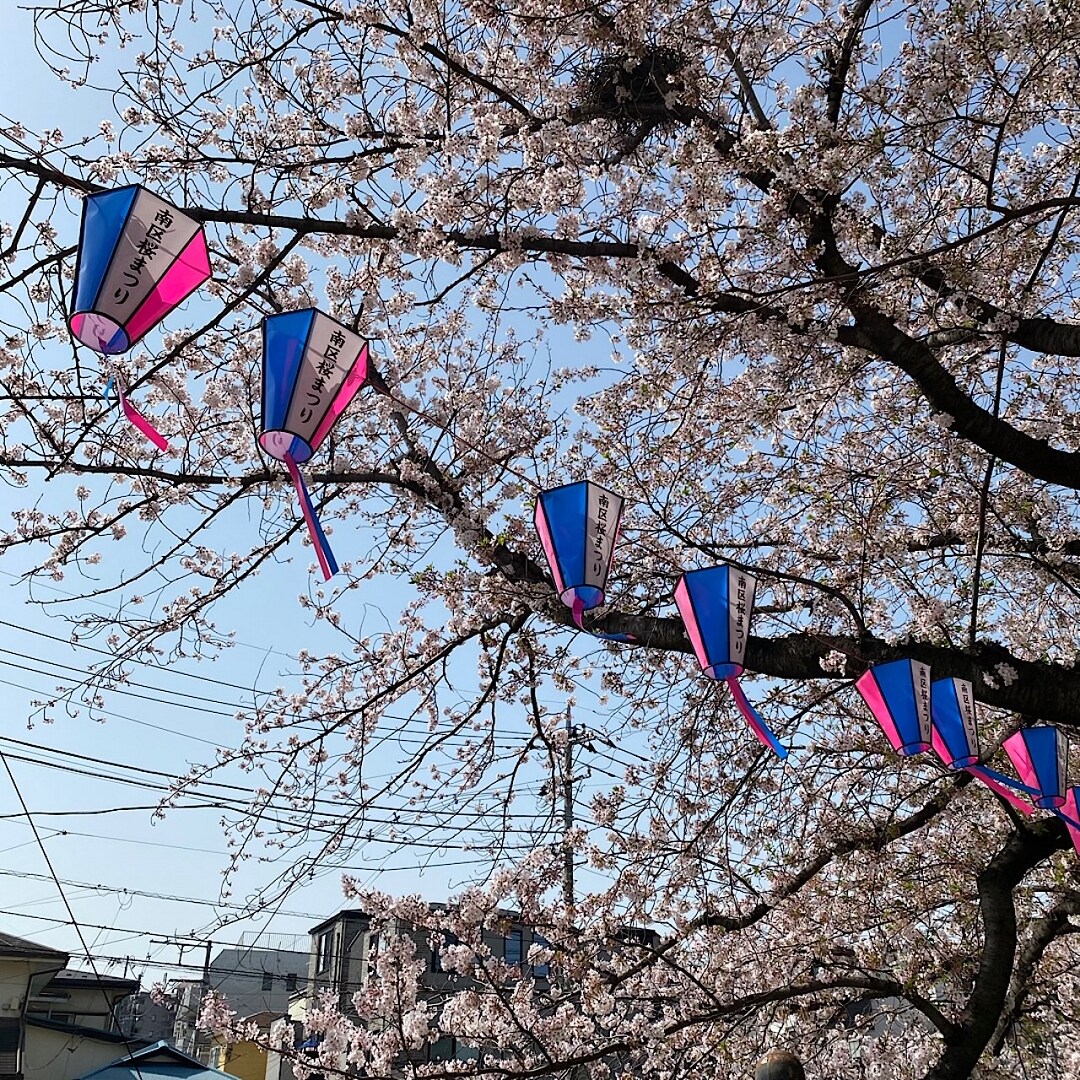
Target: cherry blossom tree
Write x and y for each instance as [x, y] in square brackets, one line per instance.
[796, 280]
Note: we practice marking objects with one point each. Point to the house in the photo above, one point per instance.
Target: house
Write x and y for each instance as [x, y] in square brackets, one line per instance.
[23, 965]
[342, 961]
[83, 998]
[343, 950]
[244, 1058]
[159, 1061]
[55, 1022]
[142, 1017]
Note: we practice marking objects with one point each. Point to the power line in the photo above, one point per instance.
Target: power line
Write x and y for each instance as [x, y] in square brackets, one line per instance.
[67, 905]
[172, 898]
[225, 802]
[218, 783]
[180, 672]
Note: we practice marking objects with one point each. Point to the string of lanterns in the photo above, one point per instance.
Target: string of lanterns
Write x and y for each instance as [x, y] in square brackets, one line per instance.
[139, 257]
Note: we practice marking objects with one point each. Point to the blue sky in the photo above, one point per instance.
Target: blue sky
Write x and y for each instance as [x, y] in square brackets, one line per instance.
[163, 724]
[127, 879]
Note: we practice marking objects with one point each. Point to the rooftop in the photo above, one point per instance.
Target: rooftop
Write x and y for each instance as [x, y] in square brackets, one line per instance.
[160, 1059]
[72, 977]
[10, 945]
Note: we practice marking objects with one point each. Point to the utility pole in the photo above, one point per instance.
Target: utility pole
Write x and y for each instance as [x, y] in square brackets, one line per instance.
[182, 944]
[575, 735]
[568, 814]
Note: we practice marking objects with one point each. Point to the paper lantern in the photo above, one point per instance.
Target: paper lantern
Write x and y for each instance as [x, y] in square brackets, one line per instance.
[1040, 755]
[313, 367]
[716, 604]
[955, 733]
[955, 737]
[578, 525]
[898, 694]
[139, 257]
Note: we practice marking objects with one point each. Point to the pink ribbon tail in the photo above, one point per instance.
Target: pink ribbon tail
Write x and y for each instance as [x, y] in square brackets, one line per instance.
[753, 718]
[1021, 804]
[318, 537]
[136, 419]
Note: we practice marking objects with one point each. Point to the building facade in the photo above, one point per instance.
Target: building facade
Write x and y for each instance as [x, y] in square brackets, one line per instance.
[251, 980]
[56, 1023]
[142, 1017]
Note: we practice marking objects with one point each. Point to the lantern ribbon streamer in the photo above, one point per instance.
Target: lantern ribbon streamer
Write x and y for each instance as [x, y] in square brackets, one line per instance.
[136, 418]
[1067, 819]
[985, 772]
[753, 718]
[108, 387]
[318, 537]
[1000, 785]
[578, 609]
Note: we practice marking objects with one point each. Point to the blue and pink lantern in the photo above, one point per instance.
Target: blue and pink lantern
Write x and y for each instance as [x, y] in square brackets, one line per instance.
[139, 258]
[955, 737]
[313, 367]
[1040, 756]
[578, 525]
[716, 604]
[898, 694]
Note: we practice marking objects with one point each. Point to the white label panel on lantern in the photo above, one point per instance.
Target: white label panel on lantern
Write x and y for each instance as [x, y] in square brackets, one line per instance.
[154, 234]
[1062, 759]
[330, 353]
[920, 676]
[965, 701]
[741, 588]
[602, 511]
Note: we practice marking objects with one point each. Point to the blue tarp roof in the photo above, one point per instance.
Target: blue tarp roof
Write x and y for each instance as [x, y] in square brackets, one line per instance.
[160, 1059]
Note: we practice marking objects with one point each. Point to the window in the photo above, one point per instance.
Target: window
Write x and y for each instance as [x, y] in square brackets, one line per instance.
[442, 939]
[9, 1047]
[324, 947]
[541, 971]
[512, 946]
[290, 981]
[268, 980]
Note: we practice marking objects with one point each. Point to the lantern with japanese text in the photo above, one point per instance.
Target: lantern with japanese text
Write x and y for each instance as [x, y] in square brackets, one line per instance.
[955, 738]
[898, 694]
[139, 257]
[716, 604]
[578, 525]
[313, 367]
[1041, 755]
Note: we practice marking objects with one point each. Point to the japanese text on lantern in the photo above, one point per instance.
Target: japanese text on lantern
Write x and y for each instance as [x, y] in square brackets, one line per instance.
[600, 542]
[924, 689]
[327, 365]
[739, 644]
[145, 249]
[967, 710]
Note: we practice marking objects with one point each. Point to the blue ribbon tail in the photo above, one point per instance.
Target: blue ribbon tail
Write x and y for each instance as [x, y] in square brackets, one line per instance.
[108, 387]
[315, 530]
[1008, 781]
[323, 542]
[1068, 820]
[754, 719]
